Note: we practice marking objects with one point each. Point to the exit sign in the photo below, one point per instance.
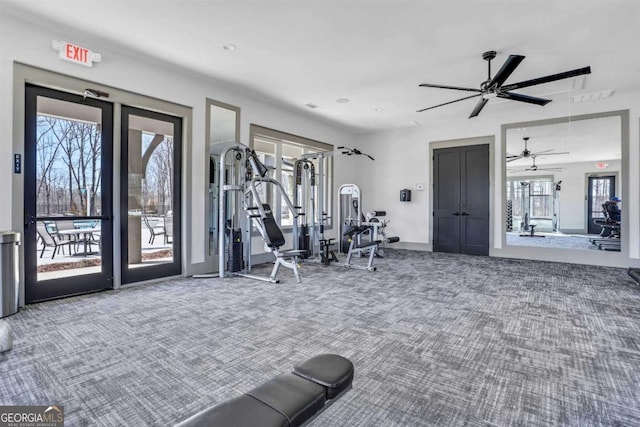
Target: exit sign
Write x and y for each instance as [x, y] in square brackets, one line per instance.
[74, 53]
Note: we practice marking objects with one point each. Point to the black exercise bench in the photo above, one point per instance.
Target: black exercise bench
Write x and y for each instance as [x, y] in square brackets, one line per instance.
[357, 247]
[288, 400]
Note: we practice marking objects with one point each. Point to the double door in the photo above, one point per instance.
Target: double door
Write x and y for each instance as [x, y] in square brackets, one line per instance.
[70, 245]
[461, 200]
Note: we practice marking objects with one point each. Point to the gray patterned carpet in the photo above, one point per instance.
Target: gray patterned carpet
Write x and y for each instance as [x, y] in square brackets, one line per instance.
[436, 339]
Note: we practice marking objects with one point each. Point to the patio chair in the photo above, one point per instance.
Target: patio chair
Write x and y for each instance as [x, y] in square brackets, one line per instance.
[168, 229]
[66, 224]
[153, 229]
[51, 240]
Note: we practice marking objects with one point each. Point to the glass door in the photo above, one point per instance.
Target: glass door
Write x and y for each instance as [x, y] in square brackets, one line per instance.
[68, 169]
[150, 195]
[601, 189]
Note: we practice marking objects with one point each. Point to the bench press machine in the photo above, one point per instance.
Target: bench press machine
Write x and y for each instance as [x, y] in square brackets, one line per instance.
[288, 400]
[270, 231]
[238, 207]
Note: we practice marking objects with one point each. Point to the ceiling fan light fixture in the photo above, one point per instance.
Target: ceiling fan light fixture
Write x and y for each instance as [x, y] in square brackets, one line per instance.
[495, 86]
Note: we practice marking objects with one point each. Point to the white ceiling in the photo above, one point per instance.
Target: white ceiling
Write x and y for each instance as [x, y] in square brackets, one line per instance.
[375, 53]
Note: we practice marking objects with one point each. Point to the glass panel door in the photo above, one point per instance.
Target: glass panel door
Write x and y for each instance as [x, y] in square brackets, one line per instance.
[601, 189]
[68, 175]
[150, 195]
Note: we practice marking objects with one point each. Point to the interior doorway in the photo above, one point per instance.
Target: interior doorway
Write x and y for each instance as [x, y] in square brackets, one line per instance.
[68, 219]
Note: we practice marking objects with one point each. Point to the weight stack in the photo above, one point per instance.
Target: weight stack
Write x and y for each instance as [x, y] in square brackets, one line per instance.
[303, 240]
[234, 251]
[509, 215]
[345, 242]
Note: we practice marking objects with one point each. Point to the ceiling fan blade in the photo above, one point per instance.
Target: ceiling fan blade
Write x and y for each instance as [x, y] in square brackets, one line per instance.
[479, 106]
[547, 79]
[447, 103]
[513, 159]
[543, 154]
[523, 98]
[505, 71]
[468, 89]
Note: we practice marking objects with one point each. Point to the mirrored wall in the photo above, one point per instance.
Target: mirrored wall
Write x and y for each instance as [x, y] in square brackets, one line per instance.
[559, 173]
[223, 130]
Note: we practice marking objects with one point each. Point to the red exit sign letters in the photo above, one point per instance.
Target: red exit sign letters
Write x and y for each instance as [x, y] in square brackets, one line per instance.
[74, 53]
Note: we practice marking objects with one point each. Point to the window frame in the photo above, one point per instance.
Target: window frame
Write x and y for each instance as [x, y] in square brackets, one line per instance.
[512, 192]
[308, 145]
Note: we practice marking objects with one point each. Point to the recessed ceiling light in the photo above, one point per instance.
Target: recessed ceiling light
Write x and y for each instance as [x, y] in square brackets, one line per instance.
[230, 47]
[342, 100]
[377, 109]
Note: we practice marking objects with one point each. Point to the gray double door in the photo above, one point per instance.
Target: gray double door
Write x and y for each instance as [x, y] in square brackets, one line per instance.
[461, 200]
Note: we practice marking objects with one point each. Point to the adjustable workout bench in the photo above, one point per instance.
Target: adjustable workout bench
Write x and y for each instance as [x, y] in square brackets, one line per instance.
[359, 248]
[288, 400]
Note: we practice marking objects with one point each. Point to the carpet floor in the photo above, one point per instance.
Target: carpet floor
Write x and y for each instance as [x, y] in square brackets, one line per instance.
[436, 339]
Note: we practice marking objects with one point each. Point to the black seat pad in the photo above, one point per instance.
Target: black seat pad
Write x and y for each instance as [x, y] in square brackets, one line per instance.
[291, 252]
[329, 370]
[243, 411]
[292, 396]
[367, 244]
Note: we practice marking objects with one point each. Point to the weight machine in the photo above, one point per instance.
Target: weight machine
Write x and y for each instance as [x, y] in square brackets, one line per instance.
[239, 206]
[362, 234]
[309, 195]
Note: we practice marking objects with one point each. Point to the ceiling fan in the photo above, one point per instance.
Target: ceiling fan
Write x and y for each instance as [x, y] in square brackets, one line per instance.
[352, 151]
[534, 167]
[526, 153]
[493, 87]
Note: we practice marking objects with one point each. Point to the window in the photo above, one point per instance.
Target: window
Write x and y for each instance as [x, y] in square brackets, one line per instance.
[279, 152]
[532, 196]
[541, 199]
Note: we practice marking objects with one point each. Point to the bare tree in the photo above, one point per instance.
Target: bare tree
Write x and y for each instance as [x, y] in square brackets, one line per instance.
[76, 146]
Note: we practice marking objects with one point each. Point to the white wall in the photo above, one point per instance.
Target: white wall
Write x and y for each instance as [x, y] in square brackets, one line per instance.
[402, 160]
[29, 44]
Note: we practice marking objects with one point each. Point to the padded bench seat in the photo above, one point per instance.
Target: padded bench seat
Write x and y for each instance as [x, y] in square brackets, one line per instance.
[288, 400]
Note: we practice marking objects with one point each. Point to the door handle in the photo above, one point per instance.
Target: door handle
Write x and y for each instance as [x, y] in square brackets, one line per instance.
[456, 213]
[465, 214]
[30, 219]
